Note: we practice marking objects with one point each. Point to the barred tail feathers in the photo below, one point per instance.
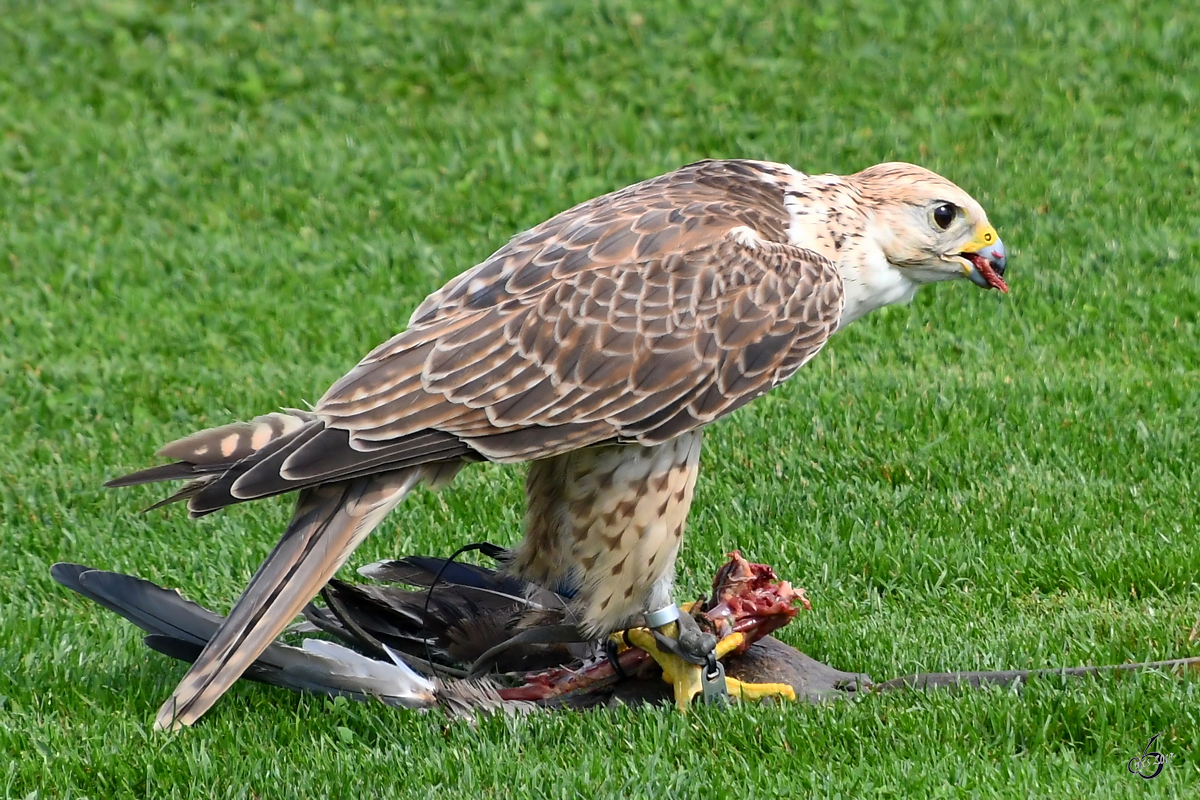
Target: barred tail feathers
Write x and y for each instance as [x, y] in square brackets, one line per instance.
[211, 460]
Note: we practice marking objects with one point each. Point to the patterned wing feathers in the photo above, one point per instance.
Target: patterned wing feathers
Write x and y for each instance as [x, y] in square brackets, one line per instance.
[616, 353]
[633, 317]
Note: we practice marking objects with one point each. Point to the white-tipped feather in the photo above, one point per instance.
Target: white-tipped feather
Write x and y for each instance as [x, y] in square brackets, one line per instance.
[395, 683]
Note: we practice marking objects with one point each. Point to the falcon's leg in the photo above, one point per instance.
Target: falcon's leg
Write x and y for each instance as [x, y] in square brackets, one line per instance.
[607, 522]
[686, 654]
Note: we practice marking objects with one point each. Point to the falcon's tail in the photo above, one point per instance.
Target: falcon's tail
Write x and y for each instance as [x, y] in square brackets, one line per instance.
[282, 452]
[329, 522]
[212, 460]
[181, 628]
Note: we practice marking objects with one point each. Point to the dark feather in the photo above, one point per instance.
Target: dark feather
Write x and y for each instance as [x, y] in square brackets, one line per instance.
[180, 628]
[164, 472]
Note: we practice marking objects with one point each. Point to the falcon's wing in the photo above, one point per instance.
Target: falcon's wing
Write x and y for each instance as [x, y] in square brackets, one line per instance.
[633, 317]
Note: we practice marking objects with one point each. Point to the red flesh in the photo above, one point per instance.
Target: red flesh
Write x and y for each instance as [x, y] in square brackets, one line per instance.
[985, 269]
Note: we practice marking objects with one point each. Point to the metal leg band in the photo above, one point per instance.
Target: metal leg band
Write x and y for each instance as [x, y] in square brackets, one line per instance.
[664, 616]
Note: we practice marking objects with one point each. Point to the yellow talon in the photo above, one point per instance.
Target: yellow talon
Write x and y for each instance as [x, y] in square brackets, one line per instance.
[759, 691]
[750, 691]
[685, 678]
[730, 643]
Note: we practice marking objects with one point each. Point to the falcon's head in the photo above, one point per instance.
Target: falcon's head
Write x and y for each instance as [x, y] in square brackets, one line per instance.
[930, 228]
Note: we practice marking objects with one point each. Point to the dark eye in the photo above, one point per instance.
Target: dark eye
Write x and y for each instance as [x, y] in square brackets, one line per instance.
[944, 214]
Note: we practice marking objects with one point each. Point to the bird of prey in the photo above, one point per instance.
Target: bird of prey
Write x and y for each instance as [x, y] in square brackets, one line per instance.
[596, 346]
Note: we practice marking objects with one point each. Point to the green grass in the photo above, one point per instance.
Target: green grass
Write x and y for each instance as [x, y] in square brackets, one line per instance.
[211, 210]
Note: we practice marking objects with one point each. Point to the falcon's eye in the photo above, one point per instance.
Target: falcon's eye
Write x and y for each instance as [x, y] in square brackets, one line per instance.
[944, 214]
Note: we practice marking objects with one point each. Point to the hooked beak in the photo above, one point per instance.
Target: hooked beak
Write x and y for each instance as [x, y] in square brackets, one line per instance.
[986, 260]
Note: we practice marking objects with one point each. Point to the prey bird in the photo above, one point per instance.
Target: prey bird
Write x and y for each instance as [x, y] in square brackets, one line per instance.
[596, 346]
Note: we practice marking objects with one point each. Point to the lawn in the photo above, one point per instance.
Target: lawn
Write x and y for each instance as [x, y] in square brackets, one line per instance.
[208, 211]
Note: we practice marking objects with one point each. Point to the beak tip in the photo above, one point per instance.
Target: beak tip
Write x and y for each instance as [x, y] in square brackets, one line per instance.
[997, 256]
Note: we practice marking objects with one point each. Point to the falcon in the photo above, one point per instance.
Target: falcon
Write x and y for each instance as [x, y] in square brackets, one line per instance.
[597, 346]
